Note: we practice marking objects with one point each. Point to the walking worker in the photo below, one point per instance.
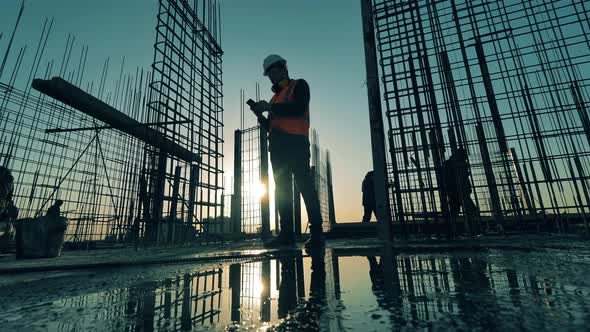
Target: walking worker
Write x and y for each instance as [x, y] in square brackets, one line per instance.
[368, 189]
[288, 134]
[54, 210]
[457, 184]
[6, 204]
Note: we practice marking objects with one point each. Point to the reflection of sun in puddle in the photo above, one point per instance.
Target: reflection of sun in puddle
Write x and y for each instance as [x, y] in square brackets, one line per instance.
[258, 288]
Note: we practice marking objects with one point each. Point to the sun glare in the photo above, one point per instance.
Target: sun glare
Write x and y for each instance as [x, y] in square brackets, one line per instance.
[258, 190]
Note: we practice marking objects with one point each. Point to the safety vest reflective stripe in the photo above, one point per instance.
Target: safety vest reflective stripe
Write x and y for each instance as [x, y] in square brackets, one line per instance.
[291, 125]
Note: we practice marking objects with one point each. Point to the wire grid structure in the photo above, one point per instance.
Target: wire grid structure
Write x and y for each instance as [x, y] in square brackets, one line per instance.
[191, 299]
[222, 223]
[505, 80]
[186, 86]
[321, 169]
[98, 172]
[255, 301]
[91, 170]
[253, 189]
[251, 185]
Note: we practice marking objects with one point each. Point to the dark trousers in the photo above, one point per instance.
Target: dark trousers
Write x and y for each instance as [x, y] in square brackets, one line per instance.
[288, 287]
[469, 208]
[368, 211]
[292, 160]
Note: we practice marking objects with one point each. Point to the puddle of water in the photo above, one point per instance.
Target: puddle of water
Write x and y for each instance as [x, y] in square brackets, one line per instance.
[327, 292]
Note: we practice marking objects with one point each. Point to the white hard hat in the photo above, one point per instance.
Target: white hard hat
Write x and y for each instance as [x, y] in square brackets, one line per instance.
[271, 60]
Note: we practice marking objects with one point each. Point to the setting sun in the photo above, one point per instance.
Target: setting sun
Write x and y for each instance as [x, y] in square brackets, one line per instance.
[258, 190]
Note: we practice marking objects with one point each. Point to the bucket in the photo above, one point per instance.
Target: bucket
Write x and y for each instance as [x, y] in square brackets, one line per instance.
[41, 237]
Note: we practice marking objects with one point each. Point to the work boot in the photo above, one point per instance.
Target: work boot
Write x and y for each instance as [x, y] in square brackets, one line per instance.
[280, 241]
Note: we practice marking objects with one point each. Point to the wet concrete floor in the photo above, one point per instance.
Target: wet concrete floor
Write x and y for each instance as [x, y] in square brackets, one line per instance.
[334, 290]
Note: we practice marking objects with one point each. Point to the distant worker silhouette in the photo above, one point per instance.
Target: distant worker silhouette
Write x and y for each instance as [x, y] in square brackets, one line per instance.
[54, 210]
[8, 211]
[368, 189]
[11, 211]
[8, 217]
[6, 188]
[457, 184]
[288, 134]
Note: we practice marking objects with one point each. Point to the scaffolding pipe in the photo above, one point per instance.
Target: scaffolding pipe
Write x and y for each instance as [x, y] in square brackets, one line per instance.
[71, 95]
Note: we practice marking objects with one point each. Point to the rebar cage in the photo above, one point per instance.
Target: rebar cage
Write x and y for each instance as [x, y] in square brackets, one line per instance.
[90, 170]
[505, 80]
[321, 168]
[106, 178]
[186, 86]
[254, 189]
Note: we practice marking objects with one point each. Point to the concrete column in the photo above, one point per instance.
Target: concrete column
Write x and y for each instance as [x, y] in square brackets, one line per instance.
[331, 207]
[376, 123]
[236, 211]
[235, 283]
[265, 294]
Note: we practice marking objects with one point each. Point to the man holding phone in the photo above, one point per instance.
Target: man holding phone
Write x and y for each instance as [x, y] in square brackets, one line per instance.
[288, 134]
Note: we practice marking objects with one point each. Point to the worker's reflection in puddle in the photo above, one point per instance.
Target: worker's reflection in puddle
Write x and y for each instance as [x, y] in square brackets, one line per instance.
[385, 284]
[306, 315]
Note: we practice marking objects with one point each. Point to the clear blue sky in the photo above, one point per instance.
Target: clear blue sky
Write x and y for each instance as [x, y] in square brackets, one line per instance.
[321, 40]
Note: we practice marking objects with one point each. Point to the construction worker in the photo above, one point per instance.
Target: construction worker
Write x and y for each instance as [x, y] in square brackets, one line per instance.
[288, 134]
[457, 184]
[6, 187]
[12, 214]
[368, 189]
[7, 208]
[54, 210]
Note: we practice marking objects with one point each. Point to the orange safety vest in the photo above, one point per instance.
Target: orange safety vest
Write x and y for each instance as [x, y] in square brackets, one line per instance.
[290, 125]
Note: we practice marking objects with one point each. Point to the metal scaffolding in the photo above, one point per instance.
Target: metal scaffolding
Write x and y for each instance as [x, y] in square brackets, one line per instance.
[186, 85]
[321, 169]
[507, 81]
[255, 179]
[108, 173]
[251, 188]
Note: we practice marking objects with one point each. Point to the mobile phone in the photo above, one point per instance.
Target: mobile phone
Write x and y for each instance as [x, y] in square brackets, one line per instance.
[250, 102]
